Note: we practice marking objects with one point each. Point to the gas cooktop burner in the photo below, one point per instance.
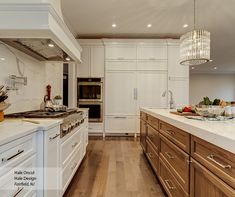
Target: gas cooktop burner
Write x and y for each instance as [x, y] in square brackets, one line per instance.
[42, 114]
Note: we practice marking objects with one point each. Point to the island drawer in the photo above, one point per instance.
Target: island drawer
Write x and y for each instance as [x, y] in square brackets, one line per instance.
[177, 136]
[170, 184]
[70, 145]
[177, 160]
[217, 160]
[143, 116]
[152, 156]
[17, 151]
[154, 122]
[153, 137]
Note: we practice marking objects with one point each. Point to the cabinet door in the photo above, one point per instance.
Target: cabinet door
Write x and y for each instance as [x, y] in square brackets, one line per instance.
[152, 52]
[52, 162]
[120, 124]
[180, 88]
[120, 52]
[205, 184]
[120, 95]
[97, 61]
[151, 85]
[174, 67]
[83, 69]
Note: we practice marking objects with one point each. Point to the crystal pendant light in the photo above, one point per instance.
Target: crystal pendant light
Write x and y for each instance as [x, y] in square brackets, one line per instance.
[195, 46]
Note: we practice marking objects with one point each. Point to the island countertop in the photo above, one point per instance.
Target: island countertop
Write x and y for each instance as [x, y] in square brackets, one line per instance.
[219, 133]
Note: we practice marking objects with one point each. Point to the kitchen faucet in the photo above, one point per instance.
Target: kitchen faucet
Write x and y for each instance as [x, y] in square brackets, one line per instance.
[171, 98]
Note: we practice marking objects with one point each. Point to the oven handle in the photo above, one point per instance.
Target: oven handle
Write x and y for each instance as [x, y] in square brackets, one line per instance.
[90, 83]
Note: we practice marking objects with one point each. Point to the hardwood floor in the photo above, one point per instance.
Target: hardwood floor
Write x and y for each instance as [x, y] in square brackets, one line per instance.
[115, 167]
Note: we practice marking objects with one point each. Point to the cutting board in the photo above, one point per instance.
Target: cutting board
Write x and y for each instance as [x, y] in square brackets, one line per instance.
[184, 113]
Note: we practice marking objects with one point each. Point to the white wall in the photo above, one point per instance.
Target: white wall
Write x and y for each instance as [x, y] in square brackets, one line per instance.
[220, 86]
[38, 74]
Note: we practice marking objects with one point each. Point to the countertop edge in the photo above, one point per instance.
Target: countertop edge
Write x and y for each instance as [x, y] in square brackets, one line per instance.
[213, 138]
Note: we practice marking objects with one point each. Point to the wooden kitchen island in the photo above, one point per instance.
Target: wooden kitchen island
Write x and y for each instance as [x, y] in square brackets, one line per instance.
[190, 157]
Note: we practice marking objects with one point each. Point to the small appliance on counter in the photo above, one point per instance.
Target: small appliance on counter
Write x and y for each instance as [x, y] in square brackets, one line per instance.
[3, 104]
[49, 105]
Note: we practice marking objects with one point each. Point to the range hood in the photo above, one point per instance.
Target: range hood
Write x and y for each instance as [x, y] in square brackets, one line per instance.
[38, 29]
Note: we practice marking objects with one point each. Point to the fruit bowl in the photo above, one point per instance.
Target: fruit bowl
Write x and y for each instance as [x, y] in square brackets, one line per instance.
[210, 111]
[4, 106]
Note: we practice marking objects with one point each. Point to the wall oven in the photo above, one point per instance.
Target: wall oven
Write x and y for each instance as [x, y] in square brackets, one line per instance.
[90, 90]
[90, 95]
[95, 110]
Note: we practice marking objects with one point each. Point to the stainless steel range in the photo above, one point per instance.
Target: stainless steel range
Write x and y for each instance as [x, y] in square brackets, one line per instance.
[72, 118]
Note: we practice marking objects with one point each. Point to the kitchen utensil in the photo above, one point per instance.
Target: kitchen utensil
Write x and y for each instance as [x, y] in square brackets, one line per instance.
[1, 87]
[4, 106]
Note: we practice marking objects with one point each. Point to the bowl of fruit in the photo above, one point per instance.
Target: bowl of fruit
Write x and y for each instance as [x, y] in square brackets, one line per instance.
[211, 109]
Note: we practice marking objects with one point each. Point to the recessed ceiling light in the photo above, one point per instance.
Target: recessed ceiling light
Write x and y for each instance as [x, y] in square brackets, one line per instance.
[2, 58]
[185, 25]
[192, 67]
[67, 58]
[51, 45]
[215, 68]
[114, 25]
[149, 25]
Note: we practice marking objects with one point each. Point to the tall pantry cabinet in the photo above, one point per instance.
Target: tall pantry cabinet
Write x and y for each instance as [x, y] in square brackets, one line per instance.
[136, 75]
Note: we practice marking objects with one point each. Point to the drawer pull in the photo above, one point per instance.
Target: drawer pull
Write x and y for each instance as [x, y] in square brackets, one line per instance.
[52, 138]
[169, 184]
[75, 144]
[212, 158]
[169, 155]
[120, 117]
[13, 156]
[170, 132]
[18, 192]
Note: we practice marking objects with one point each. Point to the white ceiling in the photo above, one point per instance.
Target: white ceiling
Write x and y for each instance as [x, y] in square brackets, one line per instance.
[93, 18]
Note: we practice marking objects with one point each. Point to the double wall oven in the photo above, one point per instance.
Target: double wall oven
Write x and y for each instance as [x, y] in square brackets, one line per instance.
[90, 95]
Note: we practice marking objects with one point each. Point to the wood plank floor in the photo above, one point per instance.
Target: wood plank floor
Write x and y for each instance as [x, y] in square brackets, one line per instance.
[115, 167]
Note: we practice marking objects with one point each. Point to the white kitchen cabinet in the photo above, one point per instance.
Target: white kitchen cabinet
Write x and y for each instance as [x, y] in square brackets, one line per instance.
[97, 61]
[152, 65]
[120, 97]
[152, 52]
[52, 162]
[120, 65]
[178, 76]
[150, 86]
[120, 124]
[92, 62]
[120, 52]
[8, 181]
[83, 69]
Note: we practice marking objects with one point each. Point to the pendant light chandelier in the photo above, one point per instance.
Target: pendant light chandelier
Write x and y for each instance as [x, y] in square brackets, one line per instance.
[195, 46]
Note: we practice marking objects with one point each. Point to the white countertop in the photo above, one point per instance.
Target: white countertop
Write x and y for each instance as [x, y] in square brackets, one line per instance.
[11, 129]
[220, 133]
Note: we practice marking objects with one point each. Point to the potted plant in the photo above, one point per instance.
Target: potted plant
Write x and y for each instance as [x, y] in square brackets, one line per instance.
[58, 100]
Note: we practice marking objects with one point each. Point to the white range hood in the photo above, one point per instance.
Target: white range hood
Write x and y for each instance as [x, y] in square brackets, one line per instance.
[31, 20]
